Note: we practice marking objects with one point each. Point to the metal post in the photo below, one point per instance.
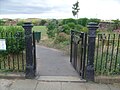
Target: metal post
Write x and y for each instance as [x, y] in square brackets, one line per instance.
[71, 46]
[29, 57]
[91, 48]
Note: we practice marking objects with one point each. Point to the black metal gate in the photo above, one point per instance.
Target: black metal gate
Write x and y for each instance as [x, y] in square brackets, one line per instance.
[78, 51]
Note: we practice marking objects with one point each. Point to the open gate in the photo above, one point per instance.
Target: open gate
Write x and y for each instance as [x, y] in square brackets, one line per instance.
[82, 51]
[78, 52]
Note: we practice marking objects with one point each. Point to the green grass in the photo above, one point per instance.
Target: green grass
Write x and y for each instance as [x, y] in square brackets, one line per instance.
[41, 29]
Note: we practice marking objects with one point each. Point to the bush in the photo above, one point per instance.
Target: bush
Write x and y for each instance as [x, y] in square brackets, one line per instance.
[83, 21]
[62, 37]
[66, 29]
[84, 29]
[69, 20]
[52, 28]
[2, 22]
[42, 22]
[14, 37]
[20, 23]
[71, 25]
[78, 27]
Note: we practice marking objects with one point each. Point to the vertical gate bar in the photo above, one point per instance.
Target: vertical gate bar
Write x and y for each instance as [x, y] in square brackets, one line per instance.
[75, 55]
[71, 46]
[107, 52]
[11, 52]
[101, 61]
[111, 61]
[4, 57]
[34, 46]
[97, 52]
[0, 57]
[118, 41]
[13, 56]
[81, 56]
[84, 56]
[7, 35]
[22, 37]
[17, 53]
[11, 61]
[2, 63]
[22, 62]
[119, 60]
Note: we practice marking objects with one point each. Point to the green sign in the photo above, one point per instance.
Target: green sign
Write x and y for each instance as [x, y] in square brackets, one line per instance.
[2, 44]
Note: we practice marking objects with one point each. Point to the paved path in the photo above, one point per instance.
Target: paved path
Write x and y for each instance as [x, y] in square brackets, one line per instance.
[39, 85]
[51, 62]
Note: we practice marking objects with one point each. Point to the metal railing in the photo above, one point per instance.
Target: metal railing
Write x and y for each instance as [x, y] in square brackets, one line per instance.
[13, 58]
[107, 54]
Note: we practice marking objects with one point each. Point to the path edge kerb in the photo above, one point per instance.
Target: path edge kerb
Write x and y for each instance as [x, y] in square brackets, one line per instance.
[12, 76]
[107, 79]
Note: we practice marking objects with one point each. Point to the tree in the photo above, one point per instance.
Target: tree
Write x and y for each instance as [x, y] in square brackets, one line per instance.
[83, 21]
[69, 20]
[116, 23]
[20, 23]
[52, 28]
[42, 22]
[75, 9]
[2, 22]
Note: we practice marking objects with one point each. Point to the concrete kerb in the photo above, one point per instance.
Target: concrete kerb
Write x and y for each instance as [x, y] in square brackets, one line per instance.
[107, 79]
[12, 76]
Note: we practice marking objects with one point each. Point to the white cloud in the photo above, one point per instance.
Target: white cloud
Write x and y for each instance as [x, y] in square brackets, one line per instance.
[103, 9]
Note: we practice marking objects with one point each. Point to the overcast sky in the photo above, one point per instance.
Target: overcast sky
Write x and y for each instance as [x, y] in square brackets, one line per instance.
[103, 9]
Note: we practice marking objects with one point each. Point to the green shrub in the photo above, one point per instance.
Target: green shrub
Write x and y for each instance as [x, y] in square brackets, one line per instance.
[14, 37]
[84, 29]
[69, 20]
[78, 27]
[52, 28]
[62, 37]
[66, 29]
[83, 21]
[71, 25]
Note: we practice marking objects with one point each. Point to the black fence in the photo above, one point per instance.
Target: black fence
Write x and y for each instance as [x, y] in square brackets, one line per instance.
[20, 52]
[13, 58]
[107, 54]
[95, 54]
[78, 52]
[106, 58]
